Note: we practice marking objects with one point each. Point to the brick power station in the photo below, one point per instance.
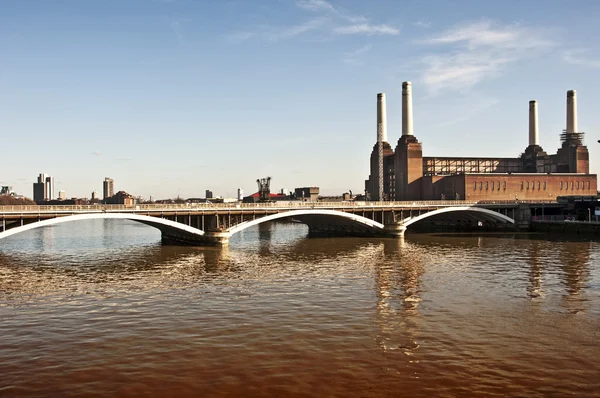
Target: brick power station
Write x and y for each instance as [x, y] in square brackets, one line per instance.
[405, 174]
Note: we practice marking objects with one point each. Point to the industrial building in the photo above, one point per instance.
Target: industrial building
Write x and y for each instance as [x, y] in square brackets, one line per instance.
[404, 173]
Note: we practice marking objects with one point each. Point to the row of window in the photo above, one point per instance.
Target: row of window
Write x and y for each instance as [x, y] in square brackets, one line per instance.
[574, 185]
[491, 185]
[525, 185]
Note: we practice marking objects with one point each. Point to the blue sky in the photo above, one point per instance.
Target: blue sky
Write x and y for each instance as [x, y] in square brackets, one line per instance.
[172, 97]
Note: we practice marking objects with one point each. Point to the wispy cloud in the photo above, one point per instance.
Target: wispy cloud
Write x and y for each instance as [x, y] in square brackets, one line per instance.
[366, 29]
[422, 24]
[315, 5]
[463, 110]
[124, 159]
[271, 33]
[477, 51]
[296, 30]
[579, 57]
[353, 57]
[176, 27]
[331, 21]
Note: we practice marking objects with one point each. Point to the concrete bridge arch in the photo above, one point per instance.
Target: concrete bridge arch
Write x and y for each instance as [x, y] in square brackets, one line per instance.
[470, 213]
[170, 230]
[321, 220]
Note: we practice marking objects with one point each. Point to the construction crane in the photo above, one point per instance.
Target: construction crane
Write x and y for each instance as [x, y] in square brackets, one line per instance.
[264, 189]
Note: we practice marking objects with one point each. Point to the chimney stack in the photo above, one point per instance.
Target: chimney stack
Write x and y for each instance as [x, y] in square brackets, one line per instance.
[407, 121]
[381, 118]
[571, 111]
[533, 123]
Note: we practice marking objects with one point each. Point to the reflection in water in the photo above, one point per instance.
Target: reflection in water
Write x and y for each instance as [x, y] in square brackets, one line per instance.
[574, 264]
[103, 309]
[397, 281]
[534, 255]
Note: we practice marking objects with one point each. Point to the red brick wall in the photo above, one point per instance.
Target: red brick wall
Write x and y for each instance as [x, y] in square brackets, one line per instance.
[528, 186]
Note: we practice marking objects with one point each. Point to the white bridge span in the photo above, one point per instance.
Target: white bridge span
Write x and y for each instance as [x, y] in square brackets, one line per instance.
[206, 227]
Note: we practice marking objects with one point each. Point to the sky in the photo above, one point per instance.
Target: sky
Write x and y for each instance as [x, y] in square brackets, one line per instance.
[173, 97]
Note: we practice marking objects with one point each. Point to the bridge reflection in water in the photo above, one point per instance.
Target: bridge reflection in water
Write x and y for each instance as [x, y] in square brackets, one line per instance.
[214, 225]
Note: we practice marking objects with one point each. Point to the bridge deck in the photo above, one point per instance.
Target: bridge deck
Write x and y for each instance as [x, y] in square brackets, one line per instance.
[245, 207]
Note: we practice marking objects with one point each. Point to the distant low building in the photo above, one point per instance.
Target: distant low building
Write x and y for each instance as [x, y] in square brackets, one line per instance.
[255, 197]
[307, 194]
[67, 202]
[120, 198]
[15, 200]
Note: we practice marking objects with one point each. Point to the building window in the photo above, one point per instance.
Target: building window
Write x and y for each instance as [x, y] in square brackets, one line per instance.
[499, 185]
[522, 183]
[532, 185]
[577, 184]
[560, 185]
[572, 185]
[588, 184]
[539, 185]
[486, 185]
[475, 186]
[544, 185]
[480, 186]
[504, 185]
[527, 184]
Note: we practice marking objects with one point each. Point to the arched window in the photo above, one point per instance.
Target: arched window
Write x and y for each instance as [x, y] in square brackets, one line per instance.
[505, 185]
[487, 185]
[560, 185]
[544, 185]
[475, 186]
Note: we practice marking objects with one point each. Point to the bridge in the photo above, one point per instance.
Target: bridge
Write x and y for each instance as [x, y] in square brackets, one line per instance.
[213, 224]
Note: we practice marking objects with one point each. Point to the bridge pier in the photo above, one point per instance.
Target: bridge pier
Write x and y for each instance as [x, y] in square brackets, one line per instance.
[396, 229]
[210, 238]
[217, 237]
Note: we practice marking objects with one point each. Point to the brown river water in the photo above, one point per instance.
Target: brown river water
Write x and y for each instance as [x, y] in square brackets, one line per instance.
[100, 308]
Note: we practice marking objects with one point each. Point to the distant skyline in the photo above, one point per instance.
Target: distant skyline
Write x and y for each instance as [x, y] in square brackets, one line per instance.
[174, 97]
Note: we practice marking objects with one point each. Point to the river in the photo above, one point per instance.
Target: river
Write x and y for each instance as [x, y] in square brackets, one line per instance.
[100, 308]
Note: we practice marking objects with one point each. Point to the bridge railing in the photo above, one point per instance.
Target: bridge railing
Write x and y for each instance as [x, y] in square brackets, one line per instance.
[234, 205]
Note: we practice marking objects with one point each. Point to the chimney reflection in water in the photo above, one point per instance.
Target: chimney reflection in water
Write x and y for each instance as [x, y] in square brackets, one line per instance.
[397, 278]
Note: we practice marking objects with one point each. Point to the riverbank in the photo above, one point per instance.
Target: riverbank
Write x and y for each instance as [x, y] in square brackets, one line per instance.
[566, 227]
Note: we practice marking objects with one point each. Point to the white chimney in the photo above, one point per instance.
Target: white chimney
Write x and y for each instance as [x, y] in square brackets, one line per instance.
[533, 123]
[381, 118]
[407, 120]
[571, 111]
